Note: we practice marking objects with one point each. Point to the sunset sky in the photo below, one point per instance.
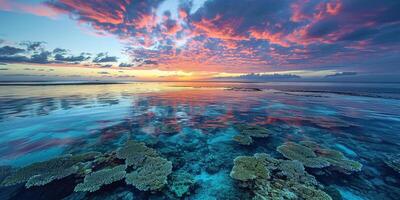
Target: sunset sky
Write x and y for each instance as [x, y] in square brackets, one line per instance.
[332, 40]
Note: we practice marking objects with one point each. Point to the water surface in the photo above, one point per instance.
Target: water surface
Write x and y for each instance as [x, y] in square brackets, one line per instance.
[192, 125]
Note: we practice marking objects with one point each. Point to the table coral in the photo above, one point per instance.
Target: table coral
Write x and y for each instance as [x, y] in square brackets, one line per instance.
[181, 183]
[248, 132]
[313, 155]
[95, 180]
[286, 180]
[41, 173]
[305, 155]
[152, 175]
[249, 168]
[134, 153]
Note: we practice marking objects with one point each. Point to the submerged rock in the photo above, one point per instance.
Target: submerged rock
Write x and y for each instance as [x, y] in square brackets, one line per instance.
[285, 179]
[95, 180]
[152, 175]
[41, 173]
[313, 155]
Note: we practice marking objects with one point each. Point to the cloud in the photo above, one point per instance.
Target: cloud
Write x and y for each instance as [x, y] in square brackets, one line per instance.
[260, 77]
[341, 74]
[8, 50]
[126, 65]
[80, 58]
[36, 53]
[103, 57]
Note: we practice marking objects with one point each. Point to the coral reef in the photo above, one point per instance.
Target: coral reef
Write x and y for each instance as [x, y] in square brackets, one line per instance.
[152, 175]
[243, 139]
[286, 179]
[393, 162]
[134, 153]
[41, 173]
[315, 156]
[248, 132]
[5, 171]
[95, 180]
[249, 168]
[181, 183]
[305, 155]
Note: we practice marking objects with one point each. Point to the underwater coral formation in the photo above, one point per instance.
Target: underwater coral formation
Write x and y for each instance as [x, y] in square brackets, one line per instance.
[248, 132]
[305, 155]
[41, 173]
[313, 155]
[152, 175]
[134, 153]
[249, 168]
[285, 180]
[181, 183]
[393, 162]
[95, 180]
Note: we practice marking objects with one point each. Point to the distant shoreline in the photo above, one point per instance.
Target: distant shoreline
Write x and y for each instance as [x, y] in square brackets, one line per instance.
[51, 83]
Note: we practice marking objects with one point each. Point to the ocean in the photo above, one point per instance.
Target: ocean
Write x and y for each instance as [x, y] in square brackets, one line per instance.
[200, 140]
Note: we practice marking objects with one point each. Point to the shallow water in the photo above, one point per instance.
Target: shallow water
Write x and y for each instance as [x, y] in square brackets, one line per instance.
[192, 125]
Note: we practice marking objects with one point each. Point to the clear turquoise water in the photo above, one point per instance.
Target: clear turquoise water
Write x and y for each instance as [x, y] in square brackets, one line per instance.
[191, 124]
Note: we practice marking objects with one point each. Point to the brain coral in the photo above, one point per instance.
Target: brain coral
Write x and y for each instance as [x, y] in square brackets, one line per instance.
[151, 175]
[41, 173]
[249, 168]
[134, 153]
[95, 180]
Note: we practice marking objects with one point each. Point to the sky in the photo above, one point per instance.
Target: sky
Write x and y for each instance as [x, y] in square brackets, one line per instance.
[321, 40]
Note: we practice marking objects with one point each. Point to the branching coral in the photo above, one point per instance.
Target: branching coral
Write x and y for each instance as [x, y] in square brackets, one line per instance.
[181, 183]
[248, 132]
[249, 168]
[95, 180]
[151, 175]
[134, 153]
[41, 173]
[314, 156]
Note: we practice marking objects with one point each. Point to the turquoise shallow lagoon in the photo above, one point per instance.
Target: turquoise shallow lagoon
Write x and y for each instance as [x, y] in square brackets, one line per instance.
[200, 141]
